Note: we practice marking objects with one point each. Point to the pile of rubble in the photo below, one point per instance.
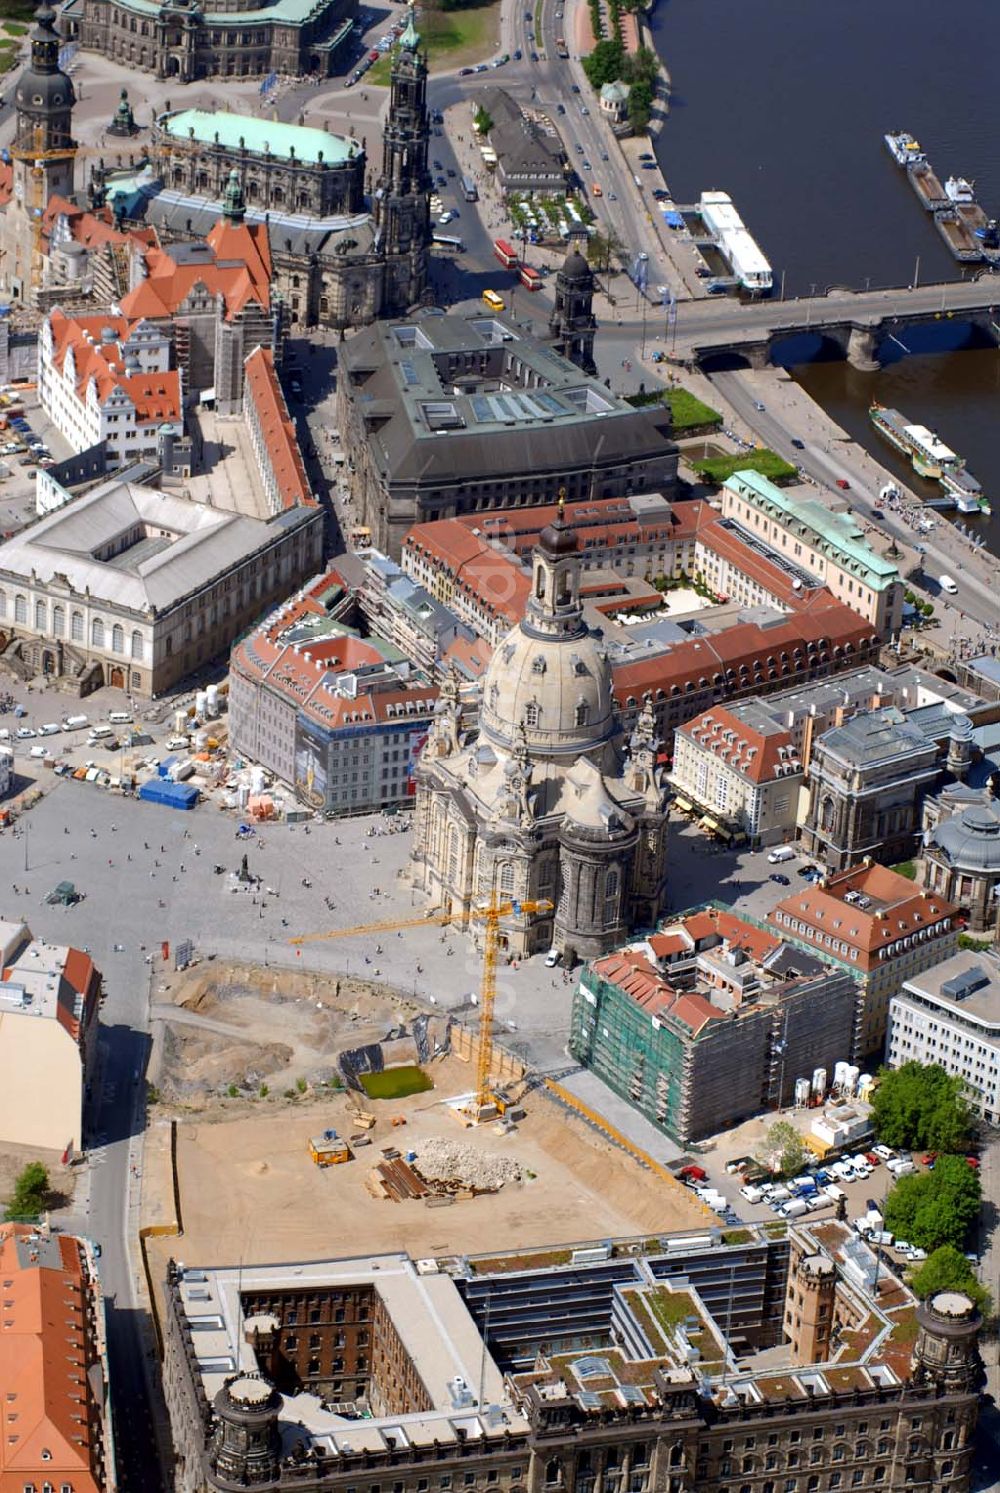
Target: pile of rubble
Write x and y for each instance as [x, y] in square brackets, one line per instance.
[455, 1163]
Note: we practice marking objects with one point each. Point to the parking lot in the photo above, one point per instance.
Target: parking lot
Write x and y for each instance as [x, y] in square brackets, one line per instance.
[18, 464]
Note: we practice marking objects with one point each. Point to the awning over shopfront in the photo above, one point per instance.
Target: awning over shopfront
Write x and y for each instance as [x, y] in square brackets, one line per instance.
[683, 805]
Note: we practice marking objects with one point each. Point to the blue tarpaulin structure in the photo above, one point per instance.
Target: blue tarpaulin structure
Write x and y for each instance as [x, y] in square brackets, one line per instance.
[673, 219]
[171, 795]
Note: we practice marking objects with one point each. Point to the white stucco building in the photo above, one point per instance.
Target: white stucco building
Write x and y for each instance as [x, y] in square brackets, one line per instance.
[950, 1015]
[131, 586]
[101, 378]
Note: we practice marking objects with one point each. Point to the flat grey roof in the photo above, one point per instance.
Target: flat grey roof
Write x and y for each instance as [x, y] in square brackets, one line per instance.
[968, 984]
[427, 1310]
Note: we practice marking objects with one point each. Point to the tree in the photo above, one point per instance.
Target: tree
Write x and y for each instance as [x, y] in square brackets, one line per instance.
[938, 1207]
[783, 1149]
[918, 1105]
[604, 64]
[483, 121]
[640, 106]
[602, 248]
[947, 1269]
[31, 1191]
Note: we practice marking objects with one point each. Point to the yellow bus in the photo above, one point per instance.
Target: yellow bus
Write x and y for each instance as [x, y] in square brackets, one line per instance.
[492, 300]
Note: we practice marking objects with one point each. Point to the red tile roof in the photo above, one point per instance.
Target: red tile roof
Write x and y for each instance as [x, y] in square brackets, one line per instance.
[156, 396]
[898, 910]
[830, 626]
[277, 430]
[49, 1425]
[635, 977]
[240, 271]
[758, 756]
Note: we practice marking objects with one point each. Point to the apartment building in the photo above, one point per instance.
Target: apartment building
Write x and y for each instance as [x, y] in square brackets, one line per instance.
[57, 1423]
[950, 1015]
[49, 1001]
[830, 545]
[338, 716]
[709, 1021]
[877, 925]
[741, 772]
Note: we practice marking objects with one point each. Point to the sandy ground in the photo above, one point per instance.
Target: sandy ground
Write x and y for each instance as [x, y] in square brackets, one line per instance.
[249, 1190]
[249, 1025]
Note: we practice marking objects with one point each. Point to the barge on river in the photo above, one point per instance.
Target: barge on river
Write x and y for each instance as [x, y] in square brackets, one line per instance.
[930, 458]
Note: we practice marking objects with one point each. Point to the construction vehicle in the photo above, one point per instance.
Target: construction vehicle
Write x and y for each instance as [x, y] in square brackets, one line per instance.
[483, 1104]
[329, 1149]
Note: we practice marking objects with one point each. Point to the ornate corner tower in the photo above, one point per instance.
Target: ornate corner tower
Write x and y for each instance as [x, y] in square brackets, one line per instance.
[246, 1447]
[402, 197]
[572, 325]
[946, 1352]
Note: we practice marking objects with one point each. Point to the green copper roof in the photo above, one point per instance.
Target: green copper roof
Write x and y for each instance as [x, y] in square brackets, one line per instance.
[838, 535]
[410, 38]
[259, 135]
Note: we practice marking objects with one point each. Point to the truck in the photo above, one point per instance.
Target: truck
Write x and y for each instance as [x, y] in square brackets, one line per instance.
[562, 50]
[803, 1184]
[783, 853]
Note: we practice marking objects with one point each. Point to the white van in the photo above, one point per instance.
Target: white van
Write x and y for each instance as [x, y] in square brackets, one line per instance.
[783, 853]
[120, 718]
[75, 722]
[99, 733]
[947, 584]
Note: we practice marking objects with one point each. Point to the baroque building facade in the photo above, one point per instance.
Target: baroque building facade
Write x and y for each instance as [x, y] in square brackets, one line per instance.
[544, 805]
[230, 38]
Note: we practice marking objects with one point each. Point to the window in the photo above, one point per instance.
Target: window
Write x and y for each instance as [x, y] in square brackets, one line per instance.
[582, 715]
[40, 616]
[117, 639]
[531, 713]
[136, 643]
[20, 609]
[58, 620]
[97, 633]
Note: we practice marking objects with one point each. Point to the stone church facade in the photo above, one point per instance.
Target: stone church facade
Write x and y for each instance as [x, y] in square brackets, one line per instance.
[547, 804]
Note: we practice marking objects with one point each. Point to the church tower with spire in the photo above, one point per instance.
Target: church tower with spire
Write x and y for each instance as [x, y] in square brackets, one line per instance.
[572, 325]
[402, 195]
[43, 153]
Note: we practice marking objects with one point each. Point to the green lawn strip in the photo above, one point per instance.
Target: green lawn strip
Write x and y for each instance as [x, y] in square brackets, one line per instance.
[767, 463]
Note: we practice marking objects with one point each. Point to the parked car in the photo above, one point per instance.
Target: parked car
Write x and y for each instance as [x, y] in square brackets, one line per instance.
[799, 445]
[781, 880]
[886, 1152]
[843, 483]
[49, 729]
[25, 733]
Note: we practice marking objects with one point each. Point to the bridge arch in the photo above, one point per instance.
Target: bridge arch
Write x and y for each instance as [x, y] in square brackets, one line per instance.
[820, 345]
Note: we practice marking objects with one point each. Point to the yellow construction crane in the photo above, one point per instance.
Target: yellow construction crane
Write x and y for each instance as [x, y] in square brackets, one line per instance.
[490, 914]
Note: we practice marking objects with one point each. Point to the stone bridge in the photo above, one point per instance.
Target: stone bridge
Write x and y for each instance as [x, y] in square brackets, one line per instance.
[859, 323]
